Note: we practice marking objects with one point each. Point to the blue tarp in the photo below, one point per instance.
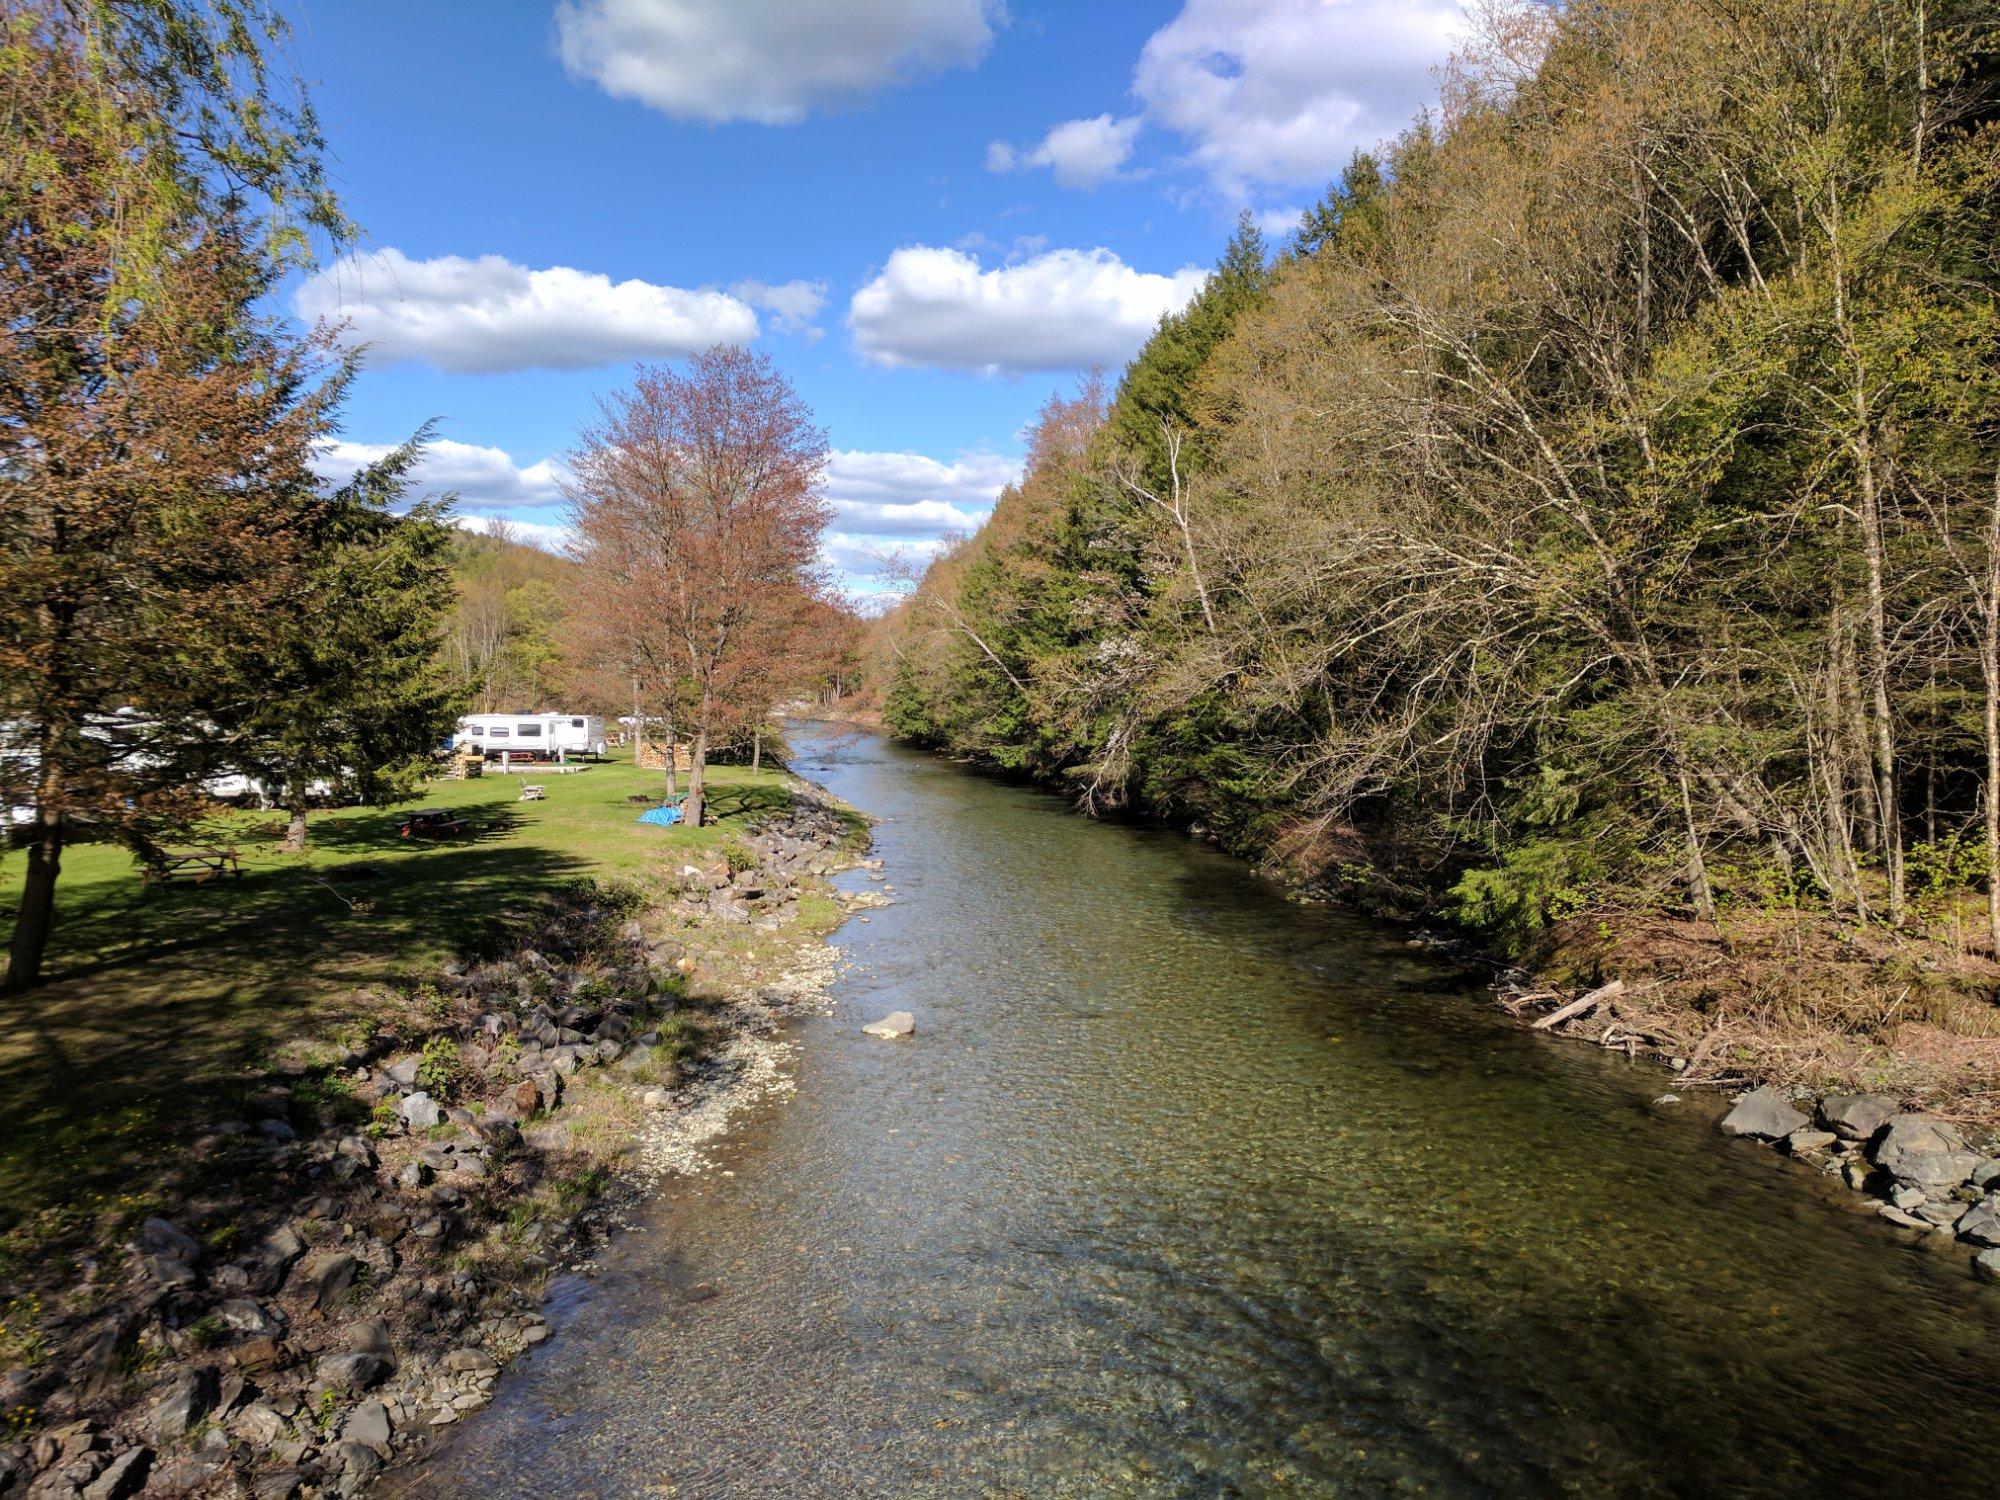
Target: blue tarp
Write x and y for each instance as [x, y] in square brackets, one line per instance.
[661, 817]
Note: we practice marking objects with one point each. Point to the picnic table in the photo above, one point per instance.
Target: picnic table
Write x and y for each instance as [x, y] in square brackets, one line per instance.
[534, 791]
[196, 865]
[439, 823]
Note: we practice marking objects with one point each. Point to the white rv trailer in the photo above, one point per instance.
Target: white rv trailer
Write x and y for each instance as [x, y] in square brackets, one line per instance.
[543, 736]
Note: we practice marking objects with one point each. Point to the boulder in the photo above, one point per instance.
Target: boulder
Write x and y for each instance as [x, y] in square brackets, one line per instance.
[369, 1425]
[188, 1398]
[420, 1111]
[165, 1237]
[122, 1477]
[1926, 1151]
[1986, 1265]
[248, 1317]
[1856, 1117]
[1981, 1224]
[327, 1275]
[278, 1130]
[360, 1466]
[1763, 1113]
[353, 1372]
[274, 1259]
[1987, 1173]
[1805, 1141]
[403, 1071]
[901, 1023]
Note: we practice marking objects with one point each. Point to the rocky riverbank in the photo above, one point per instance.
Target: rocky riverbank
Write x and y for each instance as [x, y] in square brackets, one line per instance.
[396, 1207]
[1921, 1172]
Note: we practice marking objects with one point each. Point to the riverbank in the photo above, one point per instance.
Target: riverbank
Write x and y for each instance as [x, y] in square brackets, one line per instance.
[345, 1265]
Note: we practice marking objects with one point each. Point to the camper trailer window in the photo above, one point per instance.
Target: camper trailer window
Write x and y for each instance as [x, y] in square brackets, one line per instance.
[530, 731]
[478, 729]
[499, 733]
[576, 723]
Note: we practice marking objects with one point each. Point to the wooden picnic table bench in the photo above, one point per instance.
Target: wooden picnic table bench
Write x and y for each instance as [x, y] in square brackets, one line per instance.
[436, 824]
[533, 791]
[195, 865]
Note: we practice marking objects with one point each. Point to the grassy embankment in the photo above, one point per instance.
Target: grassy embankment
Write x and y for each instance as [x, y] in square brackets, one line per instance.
[165, 1006]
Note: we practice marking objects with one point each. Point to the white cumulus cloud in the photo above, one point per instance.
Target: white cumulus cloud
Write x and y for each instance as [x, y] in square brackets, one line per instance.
[1279, 93]
[485, 478]
[1059, 310]
[489, 314]
[721, 60]
[912, 495]
[792, 304]
[1081, 153]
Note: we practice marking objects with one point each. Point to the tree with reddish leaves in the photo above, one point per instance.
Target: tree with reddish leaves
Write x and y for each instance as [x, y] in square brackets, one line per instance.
[154, 435]
[697, 508]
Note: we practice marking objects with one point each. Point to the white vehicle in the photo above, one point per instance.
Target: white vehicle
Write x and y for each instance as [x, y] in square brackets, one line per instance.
[543, 736]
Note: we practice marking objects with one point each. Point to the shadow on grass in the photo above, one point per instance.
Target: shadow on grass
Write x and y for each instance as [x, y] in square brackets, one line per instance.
[158, 1002]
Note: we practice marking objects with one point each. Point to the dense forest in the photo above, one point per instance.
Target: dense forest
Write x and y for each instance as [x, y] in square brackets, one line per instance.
[504, 647]
[1594, 506]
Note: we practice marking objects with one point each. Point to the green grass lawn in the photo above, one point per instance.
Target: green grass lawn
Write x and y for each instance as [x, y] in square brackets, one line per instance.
[160, 1002]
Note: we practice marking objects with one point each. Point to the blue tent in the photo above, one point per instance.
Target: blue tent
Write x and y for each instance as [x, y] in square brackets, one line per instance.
[661, 817]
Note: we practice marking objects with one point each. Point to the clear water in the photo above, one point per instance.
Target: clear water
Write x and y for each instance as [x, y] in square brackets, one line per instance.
[1181, 1189]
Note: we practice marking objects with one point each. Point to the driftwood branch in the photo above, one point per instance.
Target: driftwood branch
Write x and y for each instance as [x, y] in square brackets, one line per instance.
[1582, 1005]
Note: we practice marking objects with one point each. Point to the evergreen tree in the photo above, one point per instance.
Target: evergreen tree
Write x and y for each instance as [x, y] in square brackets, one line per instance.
[351, 689]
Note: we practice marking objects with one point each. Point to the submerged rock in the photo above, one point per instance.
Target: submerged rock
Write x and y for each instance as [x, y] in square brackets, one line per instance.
[1764, 1113]
[902, 1023]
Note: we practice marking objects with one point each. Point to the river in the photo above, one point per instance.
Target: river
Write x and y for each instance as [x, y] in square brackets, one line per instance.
[1184, 1189]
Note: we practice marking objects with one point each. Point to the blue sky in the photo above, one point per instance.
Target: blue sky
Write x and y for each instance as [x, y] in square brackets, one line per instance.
[931, 213]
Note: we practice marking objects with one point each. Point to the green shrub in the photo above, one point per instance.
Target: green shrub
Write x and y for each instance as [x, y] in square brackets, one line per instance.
[440, 1070]
[1534, 884]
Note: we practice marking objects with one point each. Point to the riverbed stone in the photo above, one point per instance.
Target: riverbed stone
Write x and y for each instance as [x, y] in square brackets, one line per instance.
[1981, 1224]
[1806, 1140]
[420, 1111]
[901, 1023]
[369, 1425]
[1986, 1265]
[1856, 1117]
[1764, 1113]
[1926, 1151]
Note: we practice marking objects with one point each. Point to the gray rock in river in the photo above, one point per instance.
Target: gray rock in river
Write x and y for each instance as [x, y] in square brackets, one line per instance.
[895, 1024]
[1765, 1114]
[1926, 1151]
[1986, 1265]
[1856, 1117]
[1805, 1141]
[1981, 1224]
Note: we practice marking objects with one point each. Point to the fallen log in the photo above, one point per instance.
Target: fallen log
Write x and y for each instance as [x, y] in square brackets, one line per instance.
[1580, 1006]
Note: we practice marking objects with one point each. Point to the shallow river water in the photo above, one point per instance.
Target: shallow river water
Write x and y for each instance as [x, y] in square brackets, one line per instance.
[1182, 1189]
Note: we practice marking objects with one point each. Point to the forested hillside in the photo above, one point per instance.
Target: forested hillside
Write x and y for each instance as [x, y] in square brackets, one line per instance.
[1594, 507]
[504, 649]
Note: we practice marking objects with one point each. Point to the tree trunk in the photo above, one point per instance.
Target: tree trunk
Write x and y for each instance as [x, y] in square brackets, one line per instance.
[756, 752]
[673, 758]
[38, 902]
[1990, 665]
[295, 832]
[691, 810]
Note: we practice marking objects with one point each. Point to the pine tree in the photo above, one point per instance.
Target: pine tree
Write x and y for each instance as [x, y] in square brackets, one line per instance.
[351, 689]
